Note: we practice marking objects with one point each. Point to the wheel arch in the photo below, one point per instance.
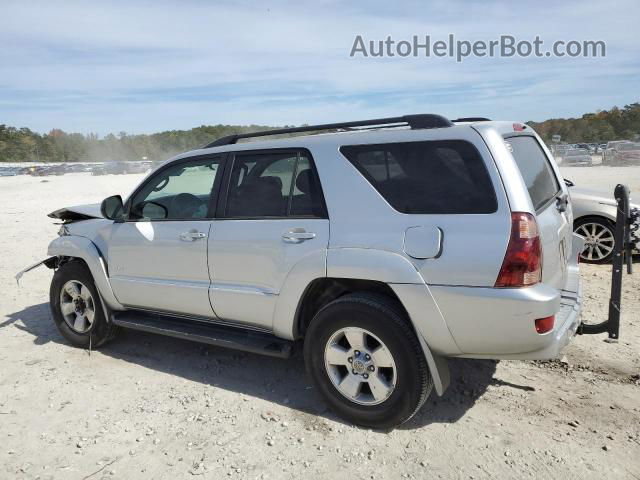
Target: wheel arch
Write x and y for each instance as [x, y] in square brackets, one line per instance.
[595, 216]
[322, 291]
[81, 248]
[341, 264]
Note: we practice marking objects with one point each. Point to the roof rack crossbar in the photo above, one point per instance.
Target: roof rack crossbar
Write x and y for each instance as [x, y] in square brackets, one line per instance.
[427, 120]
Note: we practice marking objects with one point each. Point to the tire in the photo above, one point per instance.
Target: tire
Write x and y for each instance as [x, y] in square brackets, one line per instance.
[601, 251]
[94, 331]
[401, 389]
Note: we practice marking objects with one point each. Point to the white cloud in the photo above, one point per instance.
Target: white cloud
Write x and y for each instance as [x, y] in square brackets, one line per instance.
[146, 66]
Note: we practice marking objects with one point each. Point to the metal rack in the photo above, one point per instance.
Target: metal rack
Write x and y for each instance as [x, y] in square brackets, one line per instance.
[625, 236]
[424, 120]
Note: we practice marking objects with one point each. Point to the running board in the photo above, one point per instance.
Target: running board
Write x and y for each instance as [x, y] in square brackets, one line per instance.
[202, 332]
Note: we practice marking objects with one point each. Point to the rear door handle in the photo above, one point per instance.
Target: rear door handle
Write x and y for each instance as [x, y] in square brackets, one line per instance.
[192, 235]
[296, 236]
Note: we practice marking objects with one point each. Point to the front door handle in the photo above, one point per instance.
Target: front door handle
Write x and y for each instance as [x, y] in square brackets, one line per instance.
[297, 236]
[192, 235]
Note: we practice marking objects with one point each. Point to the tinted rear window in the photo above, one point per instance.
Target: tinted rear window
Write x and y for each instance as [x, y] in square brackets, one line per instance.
[536, 171]
[427, 177]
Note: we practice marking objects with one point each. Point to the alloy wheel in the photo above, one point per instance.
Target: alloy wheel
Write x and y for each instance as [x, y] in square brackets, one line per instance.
[360, 366]
[77, 306]
[598, 241]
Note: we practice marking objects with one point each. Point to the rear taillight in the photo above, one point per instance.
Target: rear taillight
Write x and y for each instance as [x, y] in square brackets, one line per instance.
[544, 325]
[522, 265]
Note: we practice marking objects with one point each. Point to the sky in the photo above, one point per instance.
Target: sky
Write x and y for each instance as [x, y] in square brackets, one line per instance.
[147, 66]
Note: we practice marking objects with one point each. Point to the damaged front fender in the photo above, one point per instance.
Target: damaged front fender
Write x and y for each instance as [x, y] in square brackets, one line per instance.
[72, 246]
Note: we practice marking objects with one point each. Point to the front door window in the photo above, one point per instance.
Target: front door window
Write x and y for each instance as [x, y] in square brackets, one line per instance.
[180, 192]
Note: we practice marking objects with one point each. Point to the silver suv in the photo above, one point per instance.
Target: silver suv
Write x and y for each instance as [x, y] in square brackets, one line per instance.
[382, 248]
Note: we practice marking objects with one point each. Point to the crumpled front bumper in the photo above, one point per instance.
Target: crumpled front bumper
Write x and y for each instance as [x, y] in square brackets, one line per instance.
[50, 262]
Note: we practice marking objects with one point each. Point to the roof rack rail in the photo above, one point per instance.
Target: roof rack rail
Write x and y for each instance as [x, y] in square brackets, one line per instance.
[425, 120]
[472, 119]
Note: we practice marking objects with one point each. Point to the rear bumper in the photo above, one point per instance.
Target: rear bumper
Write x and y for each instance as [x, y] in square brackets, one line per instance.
[566, 325]
[500, 323]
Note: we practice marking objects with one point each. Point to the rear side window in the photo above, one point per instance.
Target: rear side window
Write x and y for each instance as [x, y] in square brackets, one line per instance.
[264, 185]
[427, 177]
[536, 171]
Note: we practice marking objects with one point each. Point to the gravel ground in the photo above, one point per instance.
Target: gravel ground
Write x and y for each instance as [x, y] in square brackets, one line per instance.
[152, 407]
[604, 178]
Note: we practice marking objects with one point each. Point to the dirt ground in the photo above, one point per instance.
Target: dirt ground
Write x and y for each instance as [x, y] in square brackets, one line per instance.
[152, 407]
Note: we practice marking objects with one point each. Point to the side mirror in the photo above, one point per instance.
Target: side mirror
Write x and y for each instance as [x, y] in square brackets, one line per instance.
[112, 208]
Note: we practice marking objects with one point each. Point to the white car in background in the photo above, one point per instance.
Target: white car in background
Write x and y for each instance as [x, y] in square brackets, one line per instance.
[594, 217]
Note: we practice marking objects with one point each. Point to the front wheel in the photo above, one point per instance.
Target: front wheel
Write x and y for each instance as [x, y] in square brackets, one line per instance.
[365, 359]
[76, 306]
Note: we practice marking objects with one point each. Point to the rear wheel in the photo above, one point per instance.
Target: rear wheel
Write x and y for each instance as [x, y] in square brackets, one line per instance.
[76, 306]
[599, 239]
[365, 359]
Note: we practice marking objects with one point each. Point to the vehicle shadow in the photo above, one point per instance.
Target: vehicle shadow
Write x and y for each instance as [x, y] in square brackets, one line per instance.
[282, 382]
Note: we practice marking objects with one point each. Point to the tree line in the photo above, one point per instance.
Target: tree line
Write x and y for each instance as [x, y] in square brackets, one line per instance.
[25, 145]
[600, 127]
